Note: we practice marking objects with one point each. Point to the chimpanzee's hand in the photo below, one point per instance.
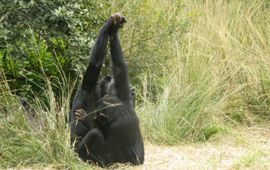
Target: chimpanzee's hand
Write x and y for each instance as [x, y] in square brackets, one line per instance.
[80, 114]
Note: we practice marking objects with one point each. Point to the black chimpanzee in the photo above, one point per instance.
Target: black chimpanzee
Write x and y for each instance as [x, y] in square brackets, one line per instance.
[104, 126]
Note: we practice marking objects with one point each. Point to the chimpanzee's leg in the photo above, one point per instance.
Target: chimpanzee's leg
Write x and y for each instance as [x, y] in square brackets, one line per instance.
[92, 147]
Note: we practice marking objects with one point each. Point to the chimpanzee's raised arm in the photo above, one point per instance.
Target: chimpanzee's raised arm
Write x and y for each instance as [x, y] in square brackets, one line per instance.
[119, 66]
[97, 56]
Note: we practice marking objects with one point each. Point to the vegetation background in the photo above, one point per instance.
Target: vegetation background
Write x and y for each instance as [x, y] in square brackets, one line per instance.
[201, 69]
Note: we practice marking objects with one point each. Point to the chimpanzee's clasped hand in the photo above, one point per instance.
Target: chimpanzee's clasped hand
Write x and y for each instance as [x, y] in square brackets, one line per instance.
[117, 21]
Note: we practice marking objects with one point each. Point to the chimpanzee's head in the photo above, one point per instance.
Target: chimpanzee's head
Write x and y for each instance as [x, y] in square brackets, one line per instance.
[106, 86]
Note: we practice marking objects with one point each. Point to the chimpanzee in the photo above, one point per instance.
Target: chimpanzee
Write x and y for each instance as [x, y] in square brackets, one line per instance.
[104, 125]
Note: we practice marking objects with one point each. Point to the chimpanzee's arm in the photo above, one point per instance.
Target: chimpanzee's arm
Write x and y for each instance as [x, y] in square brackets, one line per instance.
[120, 70]
[97, 56]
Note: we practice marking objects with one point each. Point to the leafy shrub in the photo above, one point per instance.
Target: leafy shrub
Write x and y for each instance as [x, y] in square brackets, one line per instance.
[37, 37]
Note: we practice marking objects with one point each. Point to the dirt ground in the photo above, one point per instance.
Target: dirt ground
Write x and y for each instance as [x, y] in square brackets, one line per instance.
[245, 148]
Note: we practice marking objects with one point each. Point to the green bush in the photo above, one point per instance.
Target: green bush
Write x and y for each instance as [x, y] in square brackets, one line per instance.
[37, 37]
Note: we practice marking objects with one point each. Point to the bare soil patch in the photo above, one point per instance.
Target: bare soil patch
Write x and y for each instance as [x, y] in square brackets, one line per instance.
[244, 148]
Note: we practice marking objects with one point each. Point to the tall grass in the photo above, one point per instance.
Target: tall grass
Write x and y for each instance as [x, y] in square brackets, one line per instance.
[199, 67]
[38, 136]
[206, 61]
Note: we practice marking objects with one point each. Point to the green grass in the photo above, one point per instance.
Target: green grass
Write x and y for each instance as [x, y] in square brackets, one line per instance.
[199, 67]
